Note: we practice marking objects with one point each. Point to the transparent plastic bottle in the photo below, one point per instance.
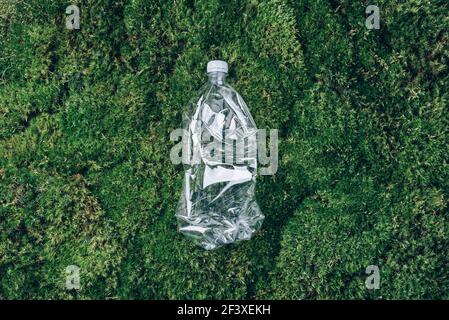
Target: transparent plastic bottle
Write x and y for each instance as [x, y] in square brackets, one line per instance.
[217, 204]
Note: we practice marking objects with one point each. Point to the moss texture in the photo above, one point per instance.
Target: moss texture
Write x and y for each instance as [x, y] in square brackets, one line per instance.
[85, 173]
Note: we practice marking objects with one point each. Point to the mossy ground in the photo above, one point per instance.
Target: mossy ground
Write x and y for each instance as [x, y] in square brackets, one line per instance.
[85, 173]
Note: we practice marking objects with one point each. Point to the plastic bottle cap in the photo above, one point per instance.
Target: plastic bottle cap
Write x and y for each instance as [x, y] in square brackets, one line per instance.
[217, 66]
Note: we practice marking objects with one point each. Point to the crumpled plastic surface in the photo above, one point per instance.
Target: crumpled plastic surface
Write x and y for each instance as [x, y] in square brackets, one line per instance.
[217, 204]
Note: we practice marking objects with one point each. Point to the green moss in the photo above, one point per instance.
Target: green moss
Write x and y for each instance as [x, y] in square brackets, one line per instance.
[337, 233]
[49, 223]
[85, 174]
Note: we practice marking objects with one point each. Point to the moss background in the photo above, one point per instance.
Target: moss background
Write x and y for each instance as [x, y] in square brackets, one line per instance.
[85, 173]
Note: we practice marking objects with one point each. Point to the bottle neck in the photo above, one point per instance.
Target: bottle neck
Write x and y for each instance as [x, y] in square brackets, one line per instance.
[217, 77]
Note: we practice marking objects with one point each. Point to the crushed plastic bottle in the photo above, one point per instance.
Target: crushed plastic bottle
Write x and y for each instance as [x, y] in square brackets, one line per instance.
[217, 204]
